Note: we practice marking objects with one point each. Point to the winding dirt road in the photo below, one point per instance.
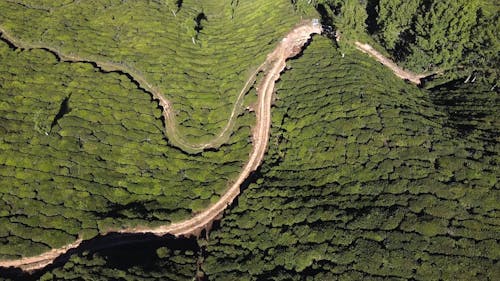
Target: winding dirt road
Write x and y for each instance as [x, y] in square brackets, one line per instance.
[275, 63]
[290, 46]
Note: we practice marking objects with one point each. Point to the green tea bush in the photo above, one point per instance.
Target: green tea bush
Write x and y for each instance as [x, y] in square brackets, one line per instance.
[388, 204]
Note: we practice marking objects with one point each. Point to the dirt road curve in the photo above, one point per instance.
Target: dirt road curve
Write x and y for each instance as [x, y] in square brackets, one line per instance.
[290, 46]
[398, 71]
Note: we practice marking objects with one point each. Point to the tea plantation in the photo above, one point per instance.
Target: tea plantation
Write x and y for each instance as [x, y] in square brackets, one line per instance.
[363, 182]
[83, 151]
[174, 47]
[78, 158]
[367, 177]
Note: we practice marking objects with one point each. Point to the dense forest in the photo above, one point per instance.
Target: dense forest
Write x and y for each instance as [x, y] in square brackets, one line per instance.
[367, 177]
[454, 38]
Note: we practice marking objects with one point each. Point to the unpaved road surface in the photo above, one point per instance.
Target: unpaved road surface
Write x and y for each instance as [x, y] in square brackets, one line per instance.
[275, 63]
[398, 71]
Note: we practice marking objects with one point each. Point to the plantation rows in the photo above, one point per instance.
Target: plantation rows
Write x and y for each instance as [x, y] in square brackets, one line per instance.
[199, 56]
[82, 152]
[366, 178]
[363, 181]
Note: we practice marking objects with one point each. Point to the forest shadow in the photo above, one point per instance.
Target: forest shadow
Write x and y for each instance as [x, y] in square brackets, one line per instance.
[454, 97]
[121, 251]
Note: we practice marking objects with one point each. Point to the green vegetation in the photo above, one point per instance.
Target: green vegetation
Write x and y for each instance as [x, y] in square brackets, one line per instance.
[457, 38]
[366, 178]
[139, 257]
[473, 110]
[175, 51]
[83, 151]
[362, 182]
[78, 157]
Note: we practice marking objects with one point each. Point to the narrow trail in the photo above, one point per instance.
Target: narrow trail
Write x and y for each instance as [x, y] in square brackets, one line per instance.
[398, 71]
[275, 63]
[174, 137]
